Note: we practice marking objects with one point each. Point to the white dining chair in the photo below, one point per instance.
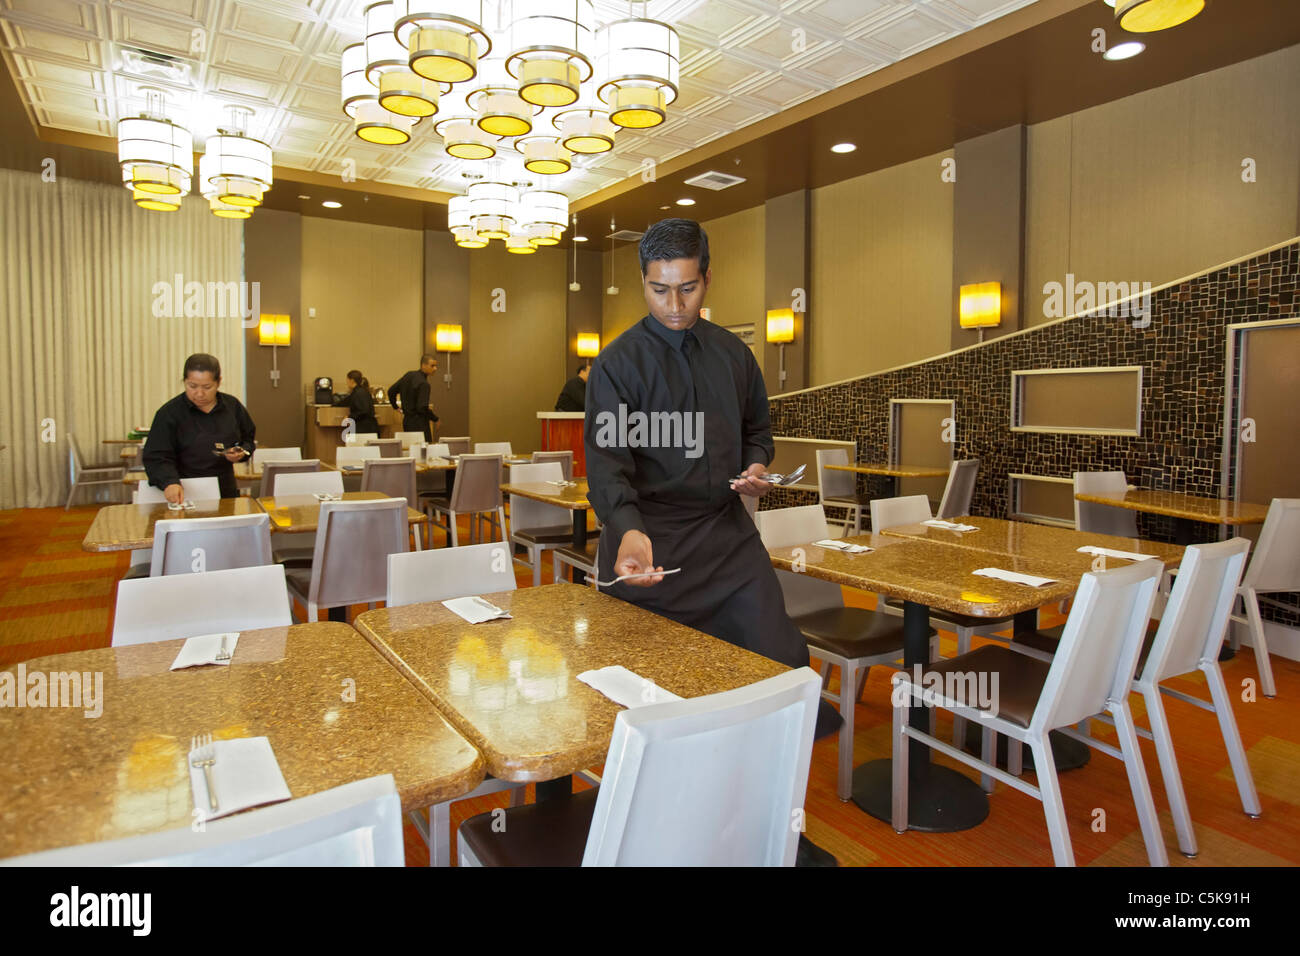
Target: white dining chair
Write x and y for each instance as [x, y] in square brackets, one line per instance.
[350, 564]
[668, 793]
[418, 577]
[81, 475]
[501, 448]
[356, 824]
[195, 489]
[839, 489]
[194, 545]
[1275, 567]
[309, 483]
[172, 606]
[1098, 518]
[262, 455]
[354, 456]
[959, 490]
[535, 525]
[360, 438]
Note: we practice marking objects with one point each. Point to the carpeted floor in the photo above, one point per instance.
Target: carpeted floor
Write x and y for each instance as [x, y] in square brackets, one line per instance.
[56, 598]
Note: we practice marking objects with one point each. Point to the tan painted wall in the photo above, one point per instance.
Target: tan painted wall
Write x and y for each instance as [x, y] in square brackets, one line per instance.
[517, 365]
[366, 284]
[625, 309]
[881, 270]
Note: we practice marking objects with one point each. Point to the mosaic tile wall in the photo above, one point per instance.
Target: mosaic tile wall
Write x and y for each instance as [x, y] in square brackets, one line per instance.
[1182, 355]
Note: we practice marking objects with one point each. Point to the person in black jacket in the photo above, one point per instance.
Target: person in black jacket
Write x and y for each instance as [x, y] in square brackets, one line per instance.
[361, 406]
[574, 396]
[417, 397]
[199, 433]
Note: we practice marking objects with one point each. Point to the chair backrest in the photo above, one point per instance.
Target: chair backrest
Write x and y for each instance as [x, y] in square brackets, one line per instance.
[273, 470]
[1099, 647]
[525, 513]
[785, 528]
[76, 464]
[835, 484]
[960, 489]
[493, 448]
[409, 438]
[478, 484]
[439, 449]
[192, 545]
[196, 489]
[355, 454]
[457, 446]
[310, 483]
[1276, 564]
[388, 447]
[1102, 519]
[565, 458]
[394, 477]
[1196, 616]
[667, 794]
[262, 455]
[418, 577]
[891, 512]
[353, 542]
[361, 438]
[187, 605]
[357, 824]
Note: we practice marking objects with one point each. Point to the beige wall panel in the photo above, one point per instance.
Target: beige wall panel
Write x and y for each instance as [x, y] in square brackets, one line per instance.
[736, 250]
[621, 311]
[881, 270]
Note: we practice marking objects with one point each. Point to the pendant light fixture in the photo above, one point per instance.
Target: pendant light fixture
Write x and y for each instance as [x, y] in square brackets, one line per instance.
[637, 71]
[370, 121]
[543, 214]
[401, 90]
[156, 156]
[463, 139]
[444, 39]
[585, 128]
[575, 285]
[1148, 16]
[493, 208]
[545, 155]
[551, 47]
[235, 169]
[498, 108]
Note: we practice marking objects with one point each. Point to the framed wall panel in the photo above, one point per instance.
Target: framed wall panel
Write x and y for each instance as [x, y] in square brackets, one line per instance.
[1041, 498]
[793, 452]
[921, 432]
[1086, 401]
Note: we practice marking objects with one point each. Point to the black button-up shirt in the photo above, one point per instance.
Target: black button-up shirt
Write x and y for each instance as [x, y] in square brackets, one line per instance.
[573, 398]
[648, 394]
[183, 441]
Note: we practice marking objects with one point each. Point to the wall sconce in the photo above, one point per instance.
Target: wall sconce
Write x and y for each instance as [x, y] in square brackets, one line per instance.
[273, 330]
[780, 332]
[449, 339]
[981, 306]
[588, 345]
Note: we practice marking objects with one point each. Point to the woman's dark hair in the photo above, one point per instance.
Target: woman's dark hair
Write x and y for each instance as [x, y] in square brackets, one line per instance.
[359, 379]
[670, 239]
[202, 362]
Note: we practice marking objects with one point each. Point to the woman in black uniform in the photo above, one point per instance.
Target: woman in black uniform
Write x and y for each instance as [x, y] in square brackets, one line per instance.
[361, 406]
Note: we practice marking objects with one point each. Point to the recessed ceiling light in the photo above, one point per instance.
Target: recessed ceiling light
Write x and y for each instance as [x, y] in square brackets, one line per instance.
[300, 196]
[1123, 51]
[665, 207]
[331, 204]
[844, 147]
[579, 238]
[686, 202]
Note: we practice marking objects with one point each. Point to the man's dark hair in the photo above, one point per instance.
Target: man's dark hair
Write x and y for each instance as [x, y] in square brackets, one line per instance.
[675, 239]
[427, 358]
[202, 362]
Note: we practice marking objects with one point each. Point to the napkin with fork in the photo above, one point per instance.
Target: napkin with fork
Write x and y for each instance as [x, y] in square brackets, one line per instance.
[622, 686]
[847, 547]
[476, 610]
[245, 774]
[206, 649]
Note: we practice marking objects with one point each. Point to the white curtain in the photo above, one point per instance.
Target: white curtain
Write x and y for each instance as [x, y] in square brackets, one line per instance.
[82, 350]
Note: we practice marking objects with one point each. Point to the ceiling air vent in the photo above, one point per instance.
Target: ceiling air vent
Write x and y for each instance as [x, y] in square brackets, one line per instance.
[715, 180]
[625, 235]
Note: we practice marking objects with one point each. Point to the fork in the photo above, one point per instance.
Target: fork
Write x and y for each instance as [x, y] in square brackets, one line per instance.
[204, 754]
[223, 654]
[778, 480]
[640, 574]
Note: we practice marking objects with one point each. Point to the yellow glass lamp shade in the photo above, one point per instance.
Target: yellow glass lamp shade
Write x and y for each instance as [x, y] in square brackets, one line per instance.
[443, 56]
[585, 130]
[467, 238]
[407, 94]
[547, 157]
[780, 326]
[381, 134]
[549, 82]
[225, 210]
[449, 338]
[981, 305]
[148, 178]
[1148, 16]
[637, 107]
[155, 202]
[273, 330]
[463, 139]
[588, 344]
[504, 114]
[520, 245]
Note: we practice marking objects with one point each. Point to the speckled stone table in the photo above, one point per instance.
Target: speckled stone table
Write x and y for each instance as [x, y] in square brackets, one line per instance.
[511, 686]
[1186, 510]
[130, 527]
[291, 514]
[67, 779]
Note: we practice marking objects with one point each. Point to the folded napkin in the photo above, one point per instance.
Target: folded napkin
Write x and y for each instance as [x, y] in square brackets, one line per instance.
[246, 774]
[204, 650]
[624, 687]
[1113, 553]
[1014, 577]
[326, 496]
[185, 505]
[845, 546]
[949, 525]
[475, 610]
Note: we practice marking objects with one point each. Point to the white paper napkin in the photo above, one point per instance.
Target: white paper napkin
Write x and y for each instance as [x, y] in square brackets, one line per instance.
[624, 687]
[844, 546]
[949, 525]
[186, 505]
[475, 609]
[204, 650]
[326, 496]
[1014, 577]
[246, 774]
[1113, 553]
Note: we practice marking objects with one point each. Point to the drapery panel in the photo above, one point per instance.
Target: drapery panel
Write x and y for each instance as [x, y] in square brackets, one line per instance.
[100, 304]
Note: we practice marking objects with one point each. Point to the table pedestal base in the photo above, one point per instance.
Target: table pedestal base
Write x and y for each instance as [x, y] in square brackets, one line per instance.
[939, 800]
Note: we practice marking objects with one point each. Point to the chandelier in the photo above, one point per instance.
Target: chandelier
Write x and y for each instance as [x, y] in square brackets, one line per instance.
[156, 156]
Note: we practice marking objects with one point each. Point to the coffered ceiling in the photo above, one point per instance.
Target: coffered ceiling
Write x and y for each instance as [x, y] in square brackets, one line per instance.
[75, 64]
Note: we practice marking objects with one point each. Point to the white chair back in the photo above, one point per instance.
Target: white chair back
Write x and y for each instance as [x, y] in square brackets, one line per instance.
[356, 454]
[438, 449]
[1276, 564]
[263, 455]
[272, 470]
[409, 438]
[172, 606]
[891, 512]
[785, 528]
[353, 542]
[357, 824]
[1103, 519]
[1099, 647]
[835, 484]
[525, 513]
[194, 545]
[493, 448]
[565, 458]
[667, 794]
[309, 483]
[196, 489]
[360, 438]
[959, 491]
[417, 577]
[1196, 615]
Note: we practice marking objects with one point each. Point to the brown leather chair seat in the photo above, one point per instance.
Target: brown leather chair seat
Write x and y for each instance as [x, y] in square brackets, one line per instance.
[1020, 679]
[1047, 639]
[555, 534]
[951, 617]
[852, 631]
[550, 833]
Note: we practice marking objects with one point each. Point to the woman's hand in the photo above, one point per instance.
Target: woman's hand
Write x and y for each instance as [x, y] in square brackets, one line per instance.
[174, 494]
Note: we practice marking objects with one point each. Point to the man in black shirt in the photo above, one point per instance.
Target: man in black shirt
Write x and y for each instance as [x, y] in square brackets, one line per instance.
[199, 433]
[574, 396]
[417, 397]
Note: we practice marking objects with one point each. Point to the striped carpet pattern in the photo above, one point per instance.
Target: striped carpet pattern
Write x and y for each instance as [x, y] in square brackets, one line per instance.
[56, 598]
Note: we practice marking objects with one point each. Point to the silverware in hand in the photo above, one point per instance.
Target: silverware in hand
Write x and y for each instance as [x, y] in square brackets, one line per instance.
[639, 574]
[777, 481]
[204, 754]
